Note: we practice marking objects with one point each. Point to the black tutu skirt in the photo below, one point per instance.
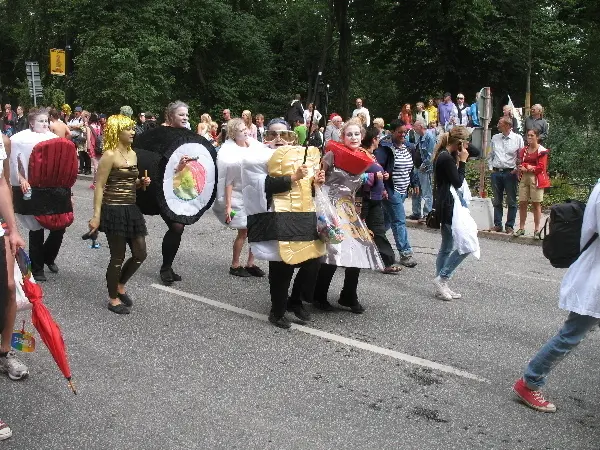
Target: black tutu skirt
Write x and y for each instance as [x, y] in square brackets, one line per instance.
[122, 220]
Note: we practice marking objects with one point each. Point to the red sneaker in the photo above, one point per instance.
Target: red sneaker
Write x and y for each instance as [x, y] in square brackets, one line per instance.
[533, 399]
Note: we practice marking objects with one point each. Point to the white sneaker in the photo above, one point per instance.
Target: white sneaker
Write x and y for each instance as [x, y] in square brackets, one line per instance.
[453, 294]
[5, 431]
[11, 365]
[441, 289]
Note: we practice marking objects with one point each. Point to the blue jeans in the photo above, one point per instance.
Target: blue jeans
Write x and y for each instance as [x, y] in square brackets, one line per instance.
[447, 259]
[505, 182]
[395, 218]
[570, 335]
[425, 193]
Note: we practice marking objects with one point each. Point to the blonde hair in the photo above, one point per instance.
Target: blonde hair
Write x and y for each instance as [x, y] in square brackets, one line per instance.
[214, 125]
[379, 121]
[114, 125]
[248, 119]
[454, 136]
[203, 128]
[205, 118]
[231, 127]
[356, 122]
[363, 118]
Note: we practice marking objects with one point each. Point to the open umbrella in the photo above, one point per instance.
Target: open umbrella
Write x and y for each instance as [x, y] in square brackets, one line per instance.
[43, 322]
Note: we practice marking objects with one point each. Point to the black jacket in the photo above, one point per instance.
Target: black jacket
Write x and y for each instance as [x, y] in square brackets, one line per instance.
[295, 112]
[446, 175]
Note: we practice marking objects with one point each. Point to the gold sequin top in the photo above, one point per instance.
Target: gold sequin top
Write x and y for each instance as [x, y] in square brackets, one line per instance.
[120, 186]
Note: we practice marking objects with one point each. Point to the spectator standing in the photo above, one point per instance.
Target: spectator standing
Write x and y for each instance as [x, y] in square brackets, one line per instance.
[21, 122]
[425, 144]
[226, 115]
[140, 127]
[432, 111]
[395, 158]
[507, 112]
[260, 127]
[361, 109]
[578, 295]
[474, 111]
[316, 137]
[79, 139]
[333, 128]
[57, 126]
[406, 115]
[379, 123]
[462, 111]
[301, 131]
[421, 114]
[502, 160]
[247, 118]
[8, 120]
[445, 110]
[308, 113]
[536, 121]
[295, 111]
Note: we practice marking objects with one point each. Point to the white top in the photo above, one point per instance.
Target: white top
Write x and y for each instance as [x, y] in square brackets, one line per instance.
[363, 110]
[307, 115]
[2, 158]
[505, 150]
[580, 288]
[22, 145]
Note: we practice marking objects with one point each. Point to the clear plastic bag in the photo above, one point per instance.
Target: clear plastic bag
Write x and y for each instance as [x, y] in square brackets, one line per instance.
[328, 222]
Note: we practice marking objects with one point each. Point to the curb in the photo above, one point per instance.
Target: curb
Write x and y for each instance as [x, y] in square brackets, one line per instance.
[522, 240]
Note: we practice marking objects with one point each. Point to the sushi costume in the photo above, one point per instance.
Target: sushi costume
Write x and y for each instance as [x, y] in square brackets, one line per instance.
[281, 220]
[49, 164]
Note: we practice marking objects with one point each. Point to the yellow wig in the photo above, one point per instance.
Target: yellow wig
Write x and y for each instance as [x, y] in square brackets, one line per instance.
[114, 126]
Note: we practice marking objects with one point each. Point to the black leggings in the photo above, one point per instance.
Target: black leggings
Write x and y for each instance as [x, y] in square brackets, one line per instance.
[117, 272]
[171, 242]
[326, 273]
[280, 277]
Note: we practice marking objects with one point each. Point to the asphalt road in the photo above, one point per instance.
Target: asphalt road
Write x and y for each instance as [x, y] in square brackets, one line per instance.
[188, 370]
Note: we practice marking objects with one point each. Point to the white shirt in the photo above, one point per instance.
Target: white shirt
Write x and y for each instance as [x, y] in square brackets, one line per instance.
[505, 150]
[2, 158]
[363, 110]
[307, 115]
[580, 288]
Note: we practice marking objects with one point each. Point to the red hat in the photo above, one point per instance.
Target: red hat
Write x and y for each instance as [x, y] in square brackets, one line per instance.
[332, 115]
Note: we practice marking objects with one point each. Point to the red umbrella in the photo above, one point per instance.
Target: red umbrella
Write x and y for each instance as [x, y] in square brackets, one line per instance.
[47, 328]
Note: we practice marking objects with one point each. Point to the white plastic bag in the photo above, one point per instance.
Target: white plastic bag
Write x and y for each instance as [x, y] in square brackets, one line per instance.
[22, 300]
[466, 192]
[464, 228]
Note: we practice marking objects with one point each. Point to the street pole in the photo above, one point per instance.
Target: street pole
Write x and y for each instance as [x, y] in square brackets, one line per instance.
[486, 117]
[528, 84]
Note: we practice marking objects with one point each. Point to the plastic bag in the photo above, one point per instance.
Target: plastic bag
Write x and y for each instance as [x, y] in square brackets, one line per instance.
[466, 192]
[328, 222]
[464, 228]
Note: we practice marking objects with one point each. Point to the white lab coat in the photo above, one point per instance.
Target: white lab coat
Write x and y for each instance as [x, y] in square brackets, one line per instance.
[580, 288]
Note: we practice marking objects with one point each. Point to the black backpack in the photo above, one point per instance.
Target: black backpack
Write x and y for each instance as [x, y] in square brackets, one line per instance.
[562, 234]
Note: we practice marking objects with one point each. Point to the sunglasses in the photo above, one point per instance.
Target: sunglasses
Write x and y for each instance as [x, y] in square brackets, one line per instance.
[284, 135]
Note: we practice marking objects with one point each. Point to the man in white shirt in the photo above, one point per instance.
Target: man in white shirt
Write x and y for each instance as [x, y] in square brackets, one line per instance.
[502, 161]
[462, 111]
[361, 109]
[308, 114]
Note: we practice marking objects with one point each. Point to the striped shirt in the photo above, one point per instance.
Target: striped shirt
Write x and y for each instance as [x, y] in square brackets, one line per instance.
[403, 164]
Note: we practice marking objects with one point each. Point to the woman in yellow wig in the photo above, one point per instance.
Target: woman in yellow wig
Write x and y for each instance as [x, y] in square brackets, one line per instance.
[115, 211]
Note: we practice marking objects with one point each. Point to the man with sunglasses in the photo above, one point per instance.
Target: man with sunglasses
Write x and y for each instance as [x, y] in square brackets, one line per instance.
[282, 227]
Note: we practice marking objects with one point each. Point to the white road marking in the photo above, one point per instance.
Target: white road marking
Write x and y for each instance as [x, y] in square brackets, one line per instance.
[330, 336]
[533, 277]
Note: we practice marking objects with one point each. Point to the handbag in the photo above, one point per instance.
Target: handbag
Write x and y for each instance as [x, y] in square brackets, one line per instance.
[433, 218]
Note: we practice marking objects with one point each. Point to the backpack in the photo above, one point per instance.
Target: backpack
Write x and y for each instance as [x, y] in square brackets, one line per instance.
[98, 141]
[562, 234]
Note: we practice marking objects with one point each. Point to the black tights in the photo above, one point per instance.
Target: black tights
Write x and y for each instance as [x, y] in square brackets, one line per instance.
[171, 242]
[117, 272]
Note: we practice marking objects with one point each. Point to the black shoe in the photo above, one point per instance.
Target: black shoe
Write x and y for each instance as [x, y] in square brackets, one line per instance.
[87, 172]
[281, 322]
[255, 271]
[354, 305]
[414, 217]
[239, 272]
[40, 276]
[323, 305]
[299, 312]
[125, 299]
[176, 277]
[119, 309]
[53, 267]
[166, 277]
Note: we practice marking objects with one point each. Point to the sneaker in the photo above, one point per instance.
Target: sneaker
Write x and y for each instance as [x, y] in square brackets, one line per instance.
[95, 245]
[239, 272]
[520, 232]
[441, 289]
[533, 399]
[408, 261]
[497, 229]
[280, 322]
[510, 230]
[537, 236]
[299, 312]
[5, 431]
[454, 295]
[11, 365]
[255, 271]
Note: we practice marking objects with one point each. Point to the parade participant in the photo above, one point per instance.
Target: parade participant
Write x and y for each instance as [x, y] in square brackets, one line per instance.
[182, 167]
[282, 224]
[357, 249]
[229, 204]
[115, 211]
[9, 363]
[42, 174]
[373, 192]
[578, 295]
